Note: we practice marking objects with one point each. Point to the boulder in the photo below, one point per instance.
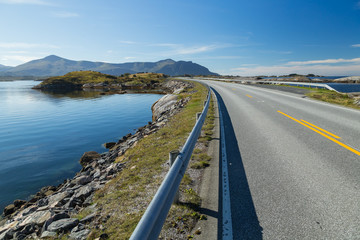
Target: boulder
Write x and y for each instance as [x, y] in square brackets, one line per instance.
[79, 235]
[9, 209]
[38, 218]
[83, 192]
[83, 180]
[48, 234]
[88, 218]
[163, 105]
[63, 225]
[18, 203]
[88, 157]
[109, 145]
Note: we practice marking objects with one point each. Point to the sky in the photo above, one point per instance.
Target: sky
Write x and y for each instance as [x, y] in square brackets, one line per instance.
[230, 37]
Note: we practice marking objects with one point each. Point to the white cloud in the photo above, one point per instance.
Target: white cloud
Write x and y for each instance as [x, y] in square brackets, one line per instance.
[180, 49]
[28, 2]
[128, 42]
[66, 14]
[275, 52]
[356, 45]
[326, 61]
[21, 45]
[17, 59]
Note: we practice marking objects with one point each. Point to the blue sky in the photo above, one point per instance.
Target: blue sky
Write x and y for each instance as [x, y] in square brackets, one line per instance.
[257, 37]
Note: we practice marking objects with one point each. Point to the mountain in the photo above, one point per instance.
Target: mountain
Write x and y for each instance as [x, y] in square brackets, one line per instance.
[54, 66]
[4, 68]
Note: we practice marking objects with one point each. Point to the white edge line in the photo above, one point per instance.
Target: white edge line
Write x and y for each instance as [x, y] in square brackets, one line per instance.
[227, 233]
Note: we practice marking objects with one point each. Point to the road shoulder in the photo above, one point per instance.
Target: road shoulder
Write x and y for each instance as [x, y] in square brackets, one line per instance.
[209, 189]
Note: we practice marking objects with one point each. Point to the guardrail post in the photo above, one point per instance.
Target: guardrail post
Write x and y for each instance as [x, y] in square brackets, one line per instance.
[172, 157]
[198, 115]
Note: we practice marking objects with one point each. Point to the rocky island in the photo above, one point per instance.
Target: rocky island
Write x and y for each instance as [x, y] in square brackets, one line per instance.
[82, 80]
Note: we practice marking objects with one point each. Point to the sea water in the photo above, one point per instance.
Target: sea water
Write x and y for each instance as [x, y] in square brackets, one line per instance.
[43, 135]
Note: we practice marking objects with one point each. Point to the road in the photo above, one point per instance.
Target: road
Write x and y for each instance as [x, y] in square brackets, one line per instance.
[294, 165]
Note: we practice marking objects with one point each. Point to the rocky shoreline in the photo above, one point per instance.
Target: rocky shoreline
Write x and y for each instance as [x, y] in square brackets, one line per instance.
[49, 212]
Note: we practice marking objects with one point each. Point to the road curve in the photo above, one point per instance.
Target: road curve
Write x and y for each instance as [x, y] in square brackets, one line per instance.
[294, 165]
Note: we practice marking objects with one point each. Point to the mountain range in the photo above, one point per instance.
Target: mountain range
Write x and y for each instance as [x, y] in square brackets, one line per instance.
[54, 66]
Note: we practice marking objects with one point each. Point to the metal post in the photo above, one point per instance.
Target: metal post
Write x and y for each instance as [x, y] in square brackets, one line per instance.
[172, 157]
[198, 115]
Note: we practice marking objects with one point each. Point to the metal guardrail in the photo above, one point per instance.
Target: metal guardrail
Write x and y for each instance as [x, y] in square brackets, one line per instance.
[300, 84]
[154, 217]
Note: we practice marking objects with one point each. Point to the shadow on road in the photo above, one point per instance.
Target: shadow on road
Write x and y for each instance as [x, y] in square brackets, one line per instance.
[245, 222]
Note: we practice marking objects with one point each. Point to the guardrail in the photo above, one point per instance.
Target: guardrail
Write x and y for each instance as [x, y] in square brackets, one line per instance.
[154, 217]
[300, 84]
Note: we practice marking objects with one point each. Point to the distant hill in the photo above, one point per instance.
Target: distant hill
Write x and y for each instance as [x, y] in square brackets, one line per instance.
[55, 66]
[4, 68]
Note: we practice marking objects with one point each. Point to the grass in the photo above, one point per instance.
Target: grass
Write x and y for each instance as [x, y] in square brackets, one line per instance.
[124, 199]
[183, 216]
[329, 96]
[333, 97]
[83, 77]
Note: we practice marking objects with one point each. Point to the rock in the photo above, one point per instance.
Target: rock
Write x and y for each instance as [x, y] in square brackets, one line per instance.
[58, 198]
[18, 203]
[83, 192]
[162, 105]
[63, 225]
[56, 217]
[8, 234]
[352, 79]
[42, 202]
[19, 236]
[97, 174]
[83, 180]
[38, 218]
[109, 145]
[9, 209]
[80, 234]
[48, 234]
[104, 236]
[78, 228]
[88, 218]
[88, 157]
[60, 216]
[28, 229]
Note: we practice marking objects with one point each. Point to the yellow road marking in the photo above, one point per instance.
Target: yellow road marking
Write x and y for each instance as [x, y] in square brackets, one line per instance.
[248, 96]
[322, 134]
[329, 133]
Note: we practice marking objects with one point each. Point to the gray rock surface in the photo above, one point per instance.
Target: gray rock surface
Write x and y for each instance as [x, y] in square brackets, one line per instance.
[63, 225]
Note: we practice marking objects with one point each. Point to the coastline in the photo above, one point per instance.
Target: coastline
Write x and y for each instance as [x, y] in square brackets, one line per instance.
[53, 203]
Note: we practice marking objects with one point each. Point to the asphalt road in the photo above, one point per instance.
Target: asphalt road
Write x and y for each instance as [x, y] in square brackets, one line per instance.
[290, 176]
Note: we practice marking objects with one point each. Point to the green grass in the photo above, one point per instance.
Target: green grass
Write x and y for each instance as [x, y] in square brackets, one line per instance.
[329, 96]
[83, 77]
[333, 97]
[125, 198]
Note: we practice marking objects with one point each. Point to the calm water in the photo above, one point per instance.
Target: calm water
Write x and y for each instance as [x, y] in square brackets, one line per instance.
[43, 136]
